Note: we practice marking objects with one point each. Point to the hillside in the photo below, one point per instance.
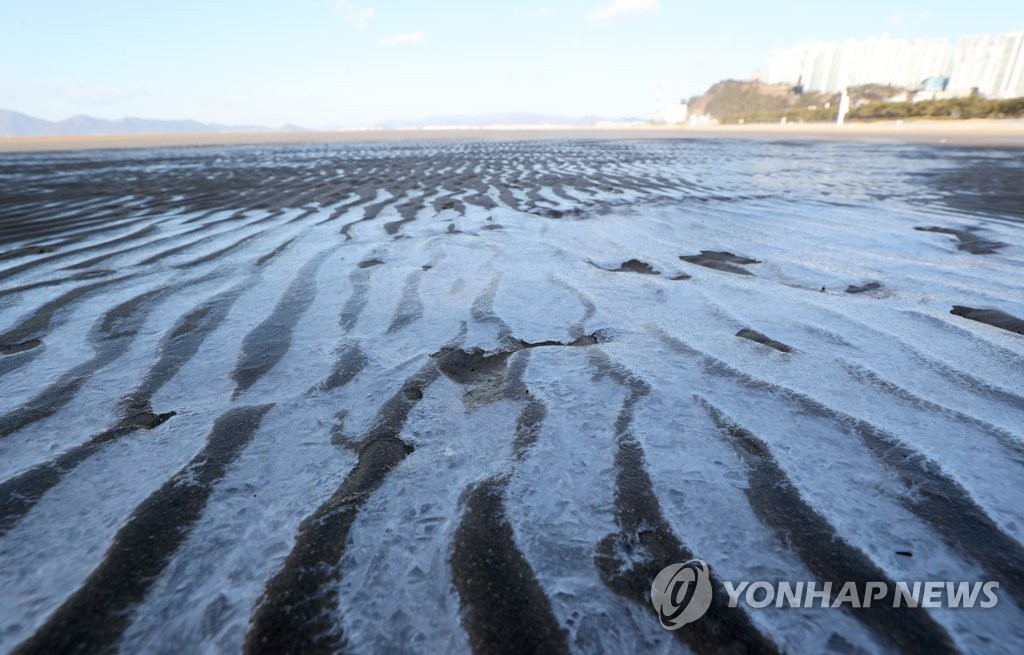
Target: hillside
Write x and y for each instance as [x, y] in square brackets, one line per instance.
[15, 124]
[746, 101]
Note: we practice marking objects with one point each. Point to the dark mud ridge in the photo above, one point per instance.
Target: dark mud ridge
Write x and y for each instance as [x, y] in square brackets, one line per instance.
[968, 239]
[757, 337]
[864, 288]
[993, 317]
[720, 261]
[638, 266]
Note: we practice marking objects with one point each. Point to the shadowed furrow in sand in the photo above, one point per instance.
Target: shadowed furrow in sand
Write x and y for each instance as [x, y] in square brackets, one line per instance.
[353, 307]
[493, 578]
[937, 499]
[111, 337]
[489, 571]
[779, 505]
[268, 341]
[295, 613]
[94, 617]
[350, 362]
[59, 256]
[629, 560]
[21, 492]
[410, 306]
[29, 332]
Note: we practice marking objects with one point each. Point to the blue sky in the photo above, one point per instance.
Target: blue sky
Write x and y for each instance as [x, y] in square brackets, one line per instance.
[330, 63]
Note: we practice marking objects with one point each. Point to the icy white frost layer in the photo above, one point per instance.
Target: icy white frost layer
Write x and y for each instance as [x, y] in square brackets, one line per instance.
[943, 387]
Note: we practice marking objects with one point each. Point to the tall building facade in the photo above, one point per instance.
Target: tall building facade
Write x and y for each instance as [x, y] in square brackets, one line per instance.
[992, 65]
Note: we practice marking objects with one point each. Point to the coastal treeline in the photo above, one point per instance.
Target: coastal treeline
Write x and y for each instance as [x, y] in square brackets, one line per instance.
[735, 101]
[944, 109]
[973, 107]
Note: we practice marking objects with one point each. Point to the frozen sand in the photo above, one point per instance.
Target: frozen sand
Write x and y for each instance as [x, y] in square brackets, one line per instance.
[430, 397]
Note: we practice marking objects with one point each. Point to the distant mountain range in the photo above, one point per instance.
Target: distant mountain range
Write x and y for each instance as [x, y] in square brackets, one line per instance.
[13, 123]
[503, 119]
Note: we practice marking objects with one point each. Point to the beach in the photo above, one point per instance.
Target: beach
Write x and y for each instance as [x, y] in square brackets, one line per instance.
[453, 391]
[995, 133]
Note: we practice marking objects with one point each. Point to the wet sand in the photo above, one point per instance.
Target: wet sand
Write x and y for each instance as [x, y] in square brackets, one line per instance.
[473, 396]
[1007, 133]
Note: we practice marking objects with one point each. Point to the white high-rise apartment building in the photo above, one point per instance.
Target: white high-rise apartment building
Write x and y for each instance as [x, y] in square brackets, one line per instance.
[993, 65]
[1008, 66]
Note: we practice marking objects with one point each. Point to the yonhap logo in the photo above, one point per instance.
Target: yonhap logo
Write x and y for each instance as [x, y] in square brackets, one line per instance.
[682, 593]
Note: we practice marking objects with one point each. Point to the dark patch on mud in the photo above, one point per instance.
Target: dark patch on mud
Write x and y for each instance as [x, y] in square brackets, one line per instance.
[720, 261]
[779, 505]
[12, 348]
[468, 367]
[864, 288]
[93, 619]
[598, 336]
[968, 239]
[636, 266]
[756, 336]
[492, 376]
[147, 419]
[296, 613]
[134, 416]
[551, 212]
[631, 266]
[471, 367]
[505, 608]
[488, 570]
[993, 317]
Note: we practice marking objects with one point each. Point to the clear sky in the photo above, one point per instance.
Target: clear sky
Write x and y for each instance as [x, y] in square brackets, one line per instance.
[347, 63]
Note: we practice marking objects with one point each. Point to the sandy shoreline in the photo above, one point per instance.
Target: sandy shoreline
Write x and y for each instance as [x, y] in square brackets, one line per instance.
[982, 133]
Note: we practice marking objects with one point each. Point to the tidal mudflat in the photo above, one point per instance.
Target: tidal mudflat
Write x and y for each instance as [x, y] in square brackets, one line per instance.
[431, 397]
